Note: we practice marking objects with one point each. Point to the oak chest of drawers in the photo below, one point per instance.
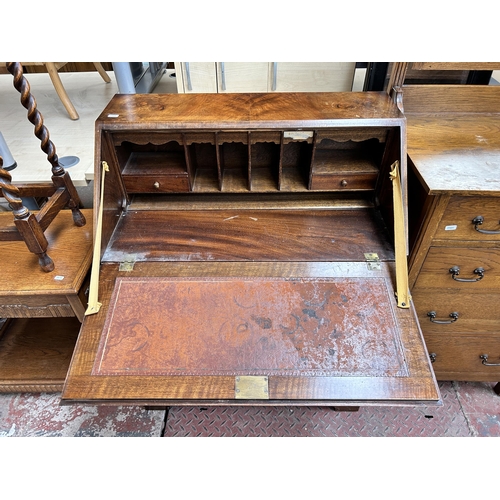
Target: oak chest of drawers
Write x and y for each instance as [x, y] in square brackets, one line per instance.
[454, 200]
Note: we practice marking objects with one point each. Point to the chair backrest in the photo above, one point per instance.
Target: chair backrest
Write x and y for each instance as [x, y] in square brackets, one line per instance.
[431, 97]
[61, 190]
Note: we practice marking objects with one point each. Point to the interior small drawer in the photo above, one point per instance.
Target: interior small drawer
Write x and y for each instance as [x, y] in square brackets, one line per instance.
[447, 311]
[467, 269]
[158, 172]
[462, 357]
[471, 218]
[156, 183]
[340, 181]
[343, 170]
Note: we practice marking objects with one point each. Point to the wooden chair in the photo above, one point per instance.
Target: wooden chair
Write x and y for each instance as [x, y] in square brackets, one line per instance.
[397, 85]
[52, 69]
[61, 192]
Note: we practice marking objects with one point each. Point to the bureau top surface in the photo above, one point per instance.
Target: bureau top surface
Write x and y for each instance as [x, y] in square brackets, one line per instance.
[240, 111]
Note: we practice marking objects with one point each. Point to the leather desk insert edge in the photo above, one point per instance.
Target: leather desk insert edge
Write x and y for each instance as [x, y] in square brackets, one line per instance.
[250, 326]
[411, 380]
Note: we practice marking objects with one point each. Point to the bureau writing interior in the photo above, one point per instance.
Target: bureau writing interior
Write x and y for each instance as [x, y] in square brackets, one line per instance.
[251, 249]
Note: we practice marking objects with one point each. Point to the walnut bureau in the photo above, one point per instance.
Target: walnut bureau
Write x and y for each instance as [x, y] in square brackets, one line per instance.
[250, 249]
[454, 201]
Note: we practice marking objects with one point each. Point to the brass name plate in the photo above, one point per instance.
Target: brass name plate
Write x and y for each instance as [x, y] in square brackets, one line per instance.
[251, 387]
[298, 134]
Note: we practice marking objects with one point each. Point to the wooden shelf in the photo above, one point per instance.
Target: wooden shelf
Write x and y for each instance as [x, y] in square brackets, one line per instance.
[35, 353]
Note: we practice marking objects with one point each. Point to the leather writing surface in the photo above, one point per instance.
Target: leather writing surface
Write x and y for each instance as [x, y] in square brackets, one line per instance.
[251, 326]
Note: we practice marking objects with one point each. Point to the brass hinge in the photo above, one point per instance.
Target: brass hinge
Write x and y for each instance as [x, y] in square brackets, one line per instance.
[373, 262]
[128, 263]
[251, 387]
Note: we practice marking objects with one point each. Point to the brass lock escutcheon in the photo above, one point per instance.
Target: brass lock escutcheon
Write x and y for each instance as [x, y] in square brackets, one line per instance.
[251, 387]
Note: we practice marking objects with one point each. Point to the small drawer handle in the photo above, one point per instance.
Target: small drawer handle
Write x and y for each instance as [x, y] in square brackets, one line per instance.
[477, 221]
[432, 356]
[432, 317]
[455, 271]
[484, 357]
[156, 185]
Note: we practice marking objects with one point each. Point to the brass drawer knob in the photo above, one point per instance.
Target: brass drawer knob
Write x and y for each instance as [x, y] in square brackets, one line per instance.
[432, 317]
[343, 183]
[477, 221]
[156, 185]
[455, 271]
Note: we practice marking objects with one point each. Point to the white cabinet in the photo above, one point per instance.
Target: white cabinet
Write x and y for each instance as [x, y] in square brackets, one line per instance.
[198, 77]
[264, 77]
[243, 77]
[312, 76]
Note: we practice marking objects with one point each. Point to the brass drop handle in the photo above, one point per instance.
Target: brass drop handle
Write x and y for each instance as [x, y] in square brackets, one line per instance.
[484, 357]
[455, 271]
[432, 317]
[477, 221]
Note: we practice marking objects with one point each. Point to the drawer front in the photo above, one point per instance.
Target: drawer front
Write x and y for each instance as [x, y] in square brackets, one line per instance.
[467, 269]
[477, 312]
[44, 306]
[457, 221]
[156, 183]
[344, 181]
[458, 357]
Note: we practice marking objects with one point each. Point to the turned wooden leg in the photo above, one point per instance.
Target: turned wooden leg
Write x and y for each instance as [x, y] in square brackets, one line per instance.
[61, 91]
[35, 240]
[102, 72]
[27, 224]
[497, 389]
[63, 179]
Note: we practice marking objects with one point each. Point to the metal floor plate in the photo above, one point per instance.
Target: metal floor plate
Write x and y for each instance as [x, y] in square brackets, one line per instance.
[446, 420]
[469, 409]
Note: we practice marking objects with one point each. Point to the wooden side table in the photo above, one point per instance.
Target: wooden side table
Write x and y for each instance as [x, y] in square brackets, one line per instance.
[42, 311]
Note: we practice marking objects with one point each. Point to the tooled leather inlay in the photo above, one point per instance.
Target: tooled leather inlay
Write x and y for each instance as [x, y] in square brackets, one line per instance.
[251, 326]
